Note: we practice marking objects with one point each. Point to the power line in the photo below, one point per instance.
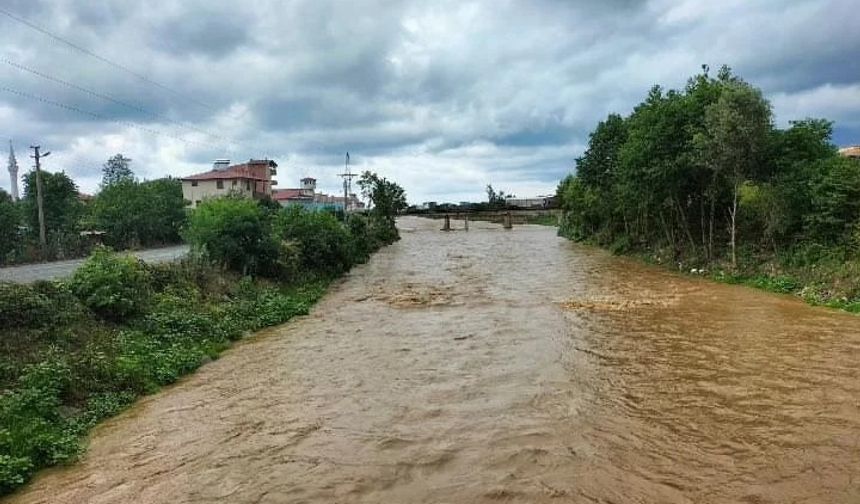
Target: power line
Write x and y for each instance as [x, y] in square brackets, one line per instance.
[112, 63]
[114, 100]
[102, 117]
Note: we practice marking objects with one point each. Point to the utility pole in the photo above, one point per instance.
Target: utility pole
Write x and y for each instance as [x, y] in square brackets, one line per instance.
[43, 239]
[347, 186]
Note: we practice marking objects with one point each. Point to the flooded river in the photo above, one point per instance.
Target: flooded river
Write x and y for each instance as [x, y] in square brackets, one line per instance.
[501, 366]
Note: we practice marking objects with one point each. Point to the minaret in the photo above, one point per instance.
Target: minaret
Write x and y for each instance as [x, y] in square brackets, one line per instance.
[13, 171]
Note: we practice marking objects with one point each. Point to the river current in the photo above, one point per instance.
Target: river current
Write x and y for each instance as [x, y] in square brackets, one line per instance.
[501, 366]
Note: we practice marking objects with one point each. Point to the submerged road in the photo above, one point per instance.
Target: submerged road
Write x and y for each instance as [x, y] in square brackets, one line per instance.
[501, 366]
[27, 273]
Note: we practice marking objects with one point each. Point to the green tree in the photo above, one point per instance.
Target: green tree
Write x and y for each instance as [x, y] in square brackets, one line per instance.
[598, 166]
[62, 204]
[9, 222]
[835, 201]
[386, 197]
[166, 211]
[139, 213]
[735, 144]
[120, 210]
[116, 170]
[234, 232]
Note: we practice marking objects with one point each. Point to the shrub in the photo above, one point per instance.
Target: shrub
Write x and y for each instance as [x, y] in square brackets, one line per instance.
[33, 432]
[22, 306]
[324, 242]
[235, 233]
[113, 286]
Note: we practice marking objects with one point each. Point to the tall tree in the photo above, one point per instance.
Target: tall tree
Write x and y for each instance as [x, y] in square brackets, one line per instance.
[116, 169]
[139, 213]
[735, 142]
[62, 203]
[9, 222]
[387, 197]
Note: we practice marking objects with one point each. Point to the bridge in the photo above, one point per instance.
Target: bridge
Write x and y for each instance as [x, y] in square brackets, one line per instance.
[506, 217]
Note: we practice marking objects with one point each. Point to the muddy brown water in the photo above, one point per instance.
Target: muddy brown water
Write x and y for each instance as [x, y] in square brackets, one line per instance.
[501, 366]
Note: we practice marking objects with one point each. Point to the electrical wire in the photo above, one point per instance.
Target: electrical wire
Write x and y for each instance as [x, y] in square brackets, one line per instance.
[95, 115]
[103, 59]
[114, 100]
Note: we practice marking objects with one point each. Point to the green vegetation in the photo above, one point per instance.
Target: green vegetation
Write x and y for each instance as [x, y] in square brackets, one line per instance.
[9, 221]
[63, 211]
[701, 179]
[77, 351]
[138, 214]
[130, 214]
[542, 220]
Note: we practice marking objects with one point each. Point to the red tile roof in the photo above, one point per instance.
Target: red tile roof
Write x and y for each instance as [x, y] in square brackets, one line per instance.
[254, 170]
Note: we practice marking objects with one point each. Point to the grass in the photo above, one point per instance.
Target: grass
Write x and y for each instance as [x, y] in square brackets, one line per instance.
[542, 220]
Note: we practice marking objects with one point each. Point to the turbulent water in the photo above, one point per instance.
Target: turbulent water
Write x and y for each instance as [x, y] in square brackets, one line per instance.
[502, 366]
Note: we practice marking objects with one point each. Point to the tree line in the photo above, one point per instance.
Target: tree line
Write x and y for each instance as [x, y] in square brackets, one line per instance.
[702, 175]
[130, 212]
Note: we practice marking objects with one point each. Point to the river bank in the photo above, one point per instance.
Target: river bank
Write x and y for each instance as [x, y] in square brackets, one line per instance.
[64, 368]
[544, 372]
[820, 280]
[76, 351]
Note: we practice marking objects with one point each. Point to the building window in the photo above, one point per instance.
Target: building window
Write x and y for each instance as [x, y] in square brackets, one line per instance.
[234, 182]
[247, 185]
[219, 184]
[193, 183]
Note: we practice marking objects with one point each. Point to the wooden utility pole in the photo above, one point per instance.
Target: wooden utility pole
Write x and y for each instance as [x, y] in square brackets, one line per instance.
[43, 238]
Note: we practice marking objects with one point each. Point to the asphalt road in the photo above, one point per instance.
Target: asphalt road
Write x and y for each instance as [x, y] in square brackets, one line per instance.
[50, 271]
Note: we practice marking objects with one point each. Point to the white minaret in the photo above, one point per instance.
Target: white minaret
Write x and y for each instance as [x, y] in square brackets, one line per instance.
[13, 171]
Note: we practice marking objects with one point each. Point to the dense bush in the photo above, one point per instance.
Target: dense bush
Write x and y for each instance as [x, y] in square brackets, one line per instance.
[21, 305]
[324, 243]
[37, 305]
[234, 232]
[112, 285]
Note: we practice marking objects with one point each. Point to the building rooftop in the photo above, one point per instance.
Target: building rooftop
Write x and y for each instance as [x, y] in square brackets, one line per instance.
[249, 170]
[288, 194]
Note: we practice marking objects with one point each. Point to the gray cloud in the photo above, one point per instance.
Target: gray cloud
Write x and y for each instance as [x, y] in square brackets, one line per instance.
[443, 96]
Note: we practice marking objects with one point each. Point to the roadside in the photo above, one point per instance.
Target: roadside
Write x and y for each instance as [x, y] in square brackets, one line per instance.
[27, 273]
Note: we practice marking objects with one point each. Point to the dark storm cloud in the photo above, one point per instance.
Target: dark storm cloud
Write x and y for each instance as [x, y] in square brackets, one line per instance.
[214, 34]
[443, 96]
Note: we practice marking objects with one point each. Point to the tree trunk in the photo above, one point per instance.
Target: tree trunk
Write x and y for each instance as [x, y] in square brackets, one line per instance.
[702, 227]
[686, 226]
[711, 230]
[734, 215]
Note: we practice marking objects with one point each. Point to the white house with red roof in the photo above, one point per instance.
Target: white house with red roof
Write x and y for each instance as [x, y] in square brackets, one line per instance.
[252, 179]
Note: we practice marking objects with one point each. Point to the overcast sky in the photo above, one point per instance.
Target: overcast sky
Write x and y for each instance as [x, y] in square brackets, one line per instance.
[444, 97]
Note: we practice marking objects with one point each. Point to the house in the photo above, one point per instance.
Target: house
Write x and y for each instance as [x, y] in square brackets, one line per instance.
[851, 152]
[307, 196]
[252, 180]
